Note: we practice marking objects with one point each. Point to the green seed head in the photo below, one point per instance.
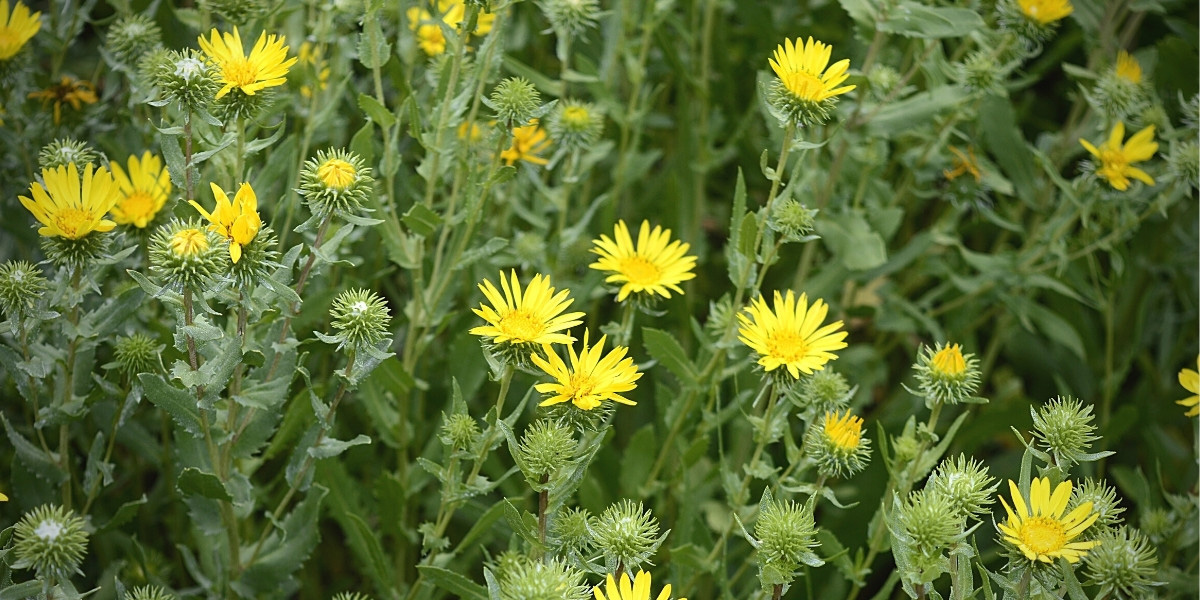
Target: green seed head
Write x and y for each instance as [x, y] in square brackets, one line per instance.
[51, 541]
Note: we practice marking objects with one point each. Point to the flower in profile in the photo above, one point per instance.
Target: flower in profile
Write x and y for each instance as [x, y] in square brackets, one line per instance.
[1190, 380]
[838, 446]
[964, 163]
[790, 336]
[528, 142]
[1045, 12]
[1038, 528]
[638, 589]
[266, 66]
[75, 92]
[532, 316]
[1127, 68]
[656, 265]
[71, 207]
[16, 28]
[592, 377]
[806, 89]
[144, 190]
[236, 221]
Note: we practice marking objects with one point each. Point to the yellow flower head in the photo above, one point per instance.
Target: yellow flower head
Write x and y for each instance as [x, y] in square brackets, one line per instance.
[801, 69]
[654, 266]
[267, 65]
[188, 242]
[638, 589]
[337, 173]
[592, 378]
[16, 28]
[1116, 158]
[430, 37]
[1038, 528]
[1190, 380]
[3, 498]
[844, 431]
[144, 190]
[949, 361]
[963, 164]
[1045, 12]
[236, 221]
[69, 207]
[68, 90]
[528, 142]
[790, 336]
[1128, 68]
[532, 317]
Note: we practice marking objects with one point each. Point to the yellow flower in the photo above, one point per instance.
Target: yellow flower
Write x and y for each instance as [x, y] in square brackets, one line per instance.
[1190, 380]
[638, 589]
[16, 28]
[236, 221]
[70, 208]
[188, 242]
[1128, 68]
[336, 173]
[801, 68]
[654, 266]
[1045, 12]
[592, 377]
[533, 317]
[963, 163]
[430, 37]
[528, 142]
[1116, 158]
[789, 336]
[3, 498]
[845, 431]
[75, 92]
[267, 65]
[1039, 529]
[144, 190]
[949, 361]
[470, 132]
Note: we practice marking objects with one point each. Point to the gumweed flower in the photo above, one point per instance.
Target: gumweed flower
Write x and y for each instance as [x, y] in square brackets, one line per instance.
[1123, 565]
[16, 28]
[1116, 158]
[430, 37]
[791, 335]
[72, 207]
[964, 163]
[266, 66]
[1190, 380]
[51, 541]
[528, 143]
[626, 533]
[807, 86]
[183, 76]
[70, 91]
[530, 316]
[1128, 68]
[945, 375]
[592, 377]
[1038, 528]
[636, 589]
[335, 181]
[576, 125]
[837, 445]
[655, 266]
[144, 190]
[236, 221]
[184, 255]
[965, 483]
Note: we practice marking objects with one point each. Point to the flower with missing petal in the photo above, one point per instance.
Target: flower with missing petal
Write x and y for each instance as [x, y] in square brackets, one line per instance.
[1116, 157]
[75, 92]
[266, 66]
[528, 142]
[1038, 528]
[655, 266]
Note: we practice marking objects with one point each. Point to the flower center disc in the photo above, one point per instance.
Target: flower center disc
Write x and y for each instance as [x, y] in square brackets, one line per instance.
[72, 222]
[641, 271]
[786, 346]
[521, 325]
[581, 391]
[1043, 535]
[240, 72]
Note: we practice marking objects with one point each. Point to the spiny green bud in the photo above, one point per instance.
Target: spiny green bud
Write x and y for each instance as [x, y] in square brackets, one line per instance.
[946, 376]
[793, 221]
[351, 596]
[51, 541]
[132, 36]
[1063, 427]
[361, 319]
[506, 563]
[821, 392]
[238, 11]
[137, 354]
[837, 446]
[1183, 162]
[186, 255]
[786, 533]
[335, 181]
[148, 592]
[536, 580]
[1191, 113]
[1116, 97]
[966, 484]
[529, 249]
[60, 153]
[1157, 524]
[721, 317]
[570, 18]
[576, 125]
[545, 448]
[570, 529]
[237, 104]
[259, 259]
[1104, 503]
[565, 414]
[1123, 565]
[21, 288]
[75, 255]
[185, 77]
[881, 79]
[928, 522]
[515, 101]
[906, 447]
[626, 534]
[460, 432]
[980, 72]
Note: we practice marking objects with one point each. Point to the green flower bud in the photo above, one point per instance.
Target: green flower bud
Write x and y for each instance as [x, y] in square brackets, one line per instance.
[536, 580]
[570, 18]
[237, 104]
[22, 286]
[906, 447]
[945, 375]
[529, 250]
[1063, 427]
[1117, 97]
[184, 77]
[980, 72]
[186, 255]
[721, 318]
[259, 259]
[882, 79]
[837, 446]
[335, 181]
[460, 432]
[545, 448]
[928, 522]
[137, 354]
[132, 36]
[238, 11]
[74, 255]
[148, 592]
[1183, 162]
[966, 484]
[786, 536]
[515, 101]
[822, 392]
[570, 529]
[792, 220]
[626, 534]
[60, 153]
[1123, 565]
[351, 596]
[361, 319]
[1157, 524]
[51, 541]
[1104, 503]
[576, 125]
[506, 563]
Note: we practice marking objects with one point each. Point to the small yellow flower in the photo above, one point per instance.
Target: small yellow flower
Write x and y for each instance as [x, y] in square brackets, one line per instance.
[16, 28]
[789, 335]
[70, 208]
[3, 498]
[69, 90]
[533, 317]
[144, 190]
[470, 132]
[654, 266]
[963, 163]
[236, 221]
[1045, 12]
[638, 589]
[528, 142]
[1190, 380]
[188, 242]
[337, 173]
[1128, 68]
[430, 37]
[592, 378]
[1038, 528]
[267, 65]
[845, 431]
[949, 361]
[802, 69]
[1116, 158]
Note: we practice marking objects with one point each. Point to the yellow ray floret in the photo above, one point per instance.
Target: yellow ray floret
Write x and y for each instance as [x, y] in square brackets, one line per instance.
[16, 28]
[70, 207]
[236, 221]
[637, 589]
[144, 190]
[801, 68]
[1116, 158]
[1190, 380]
[532, 316]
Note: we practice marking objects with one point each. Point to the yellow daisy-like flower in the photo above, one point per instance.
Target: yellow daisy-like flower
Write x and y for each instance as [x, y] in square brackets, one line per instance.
[655, 266]
[1039, 529]
[790, 336]
[528, 142]
[188, 242]
[144, 190]
[844, 431]
[801, 68]
[337, 173]
[236, 221]
[267, 65]
[16, 28]
[1116, 158]
[638, 589]
[1128, 68]
[963, 163]
[70, 207]
[430, 37]
[75, 92]
[1045, 12]
[949, 361]
[592, 378]
[1190, 380]
[534, 316]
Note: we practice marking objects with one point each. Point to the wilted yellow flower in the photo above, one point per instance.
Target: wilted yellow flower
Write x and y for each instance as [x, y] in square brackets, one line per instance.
[535, 316]
[638, 589]
[592, 378]
[1190, 380]
[528, 142]
[1039, 529]
[144, 190]
[236, 221]
[801, 68]
[267, 65]
[963, 163]
[1116, 158]
[16, 28]
[1128, 67]
[1045, 12]
[654, 266]
[70, 208]
[69, 90]
[789, 335]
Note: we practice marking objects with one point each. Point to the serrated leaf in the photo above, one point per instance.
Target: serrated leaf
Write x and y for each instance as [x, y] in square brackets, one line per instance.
[373, 48]
[454, 583]
[666, 350]
[376, 111]
[178, 403]
[194, 482]
[36, 459]
[285, 551]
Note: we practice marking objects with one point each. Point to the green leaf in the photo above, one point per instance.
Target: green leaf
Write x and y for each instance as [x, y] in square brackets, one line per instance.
[21, 591]
[329, 447]
[860, 10]
[666, 350]
[454, 583]
[850, 238]
[194, 482]
[1004, 141]
[37, 460]
[285, 550]
[489, 248]
[376, 111]
[634, 464]
[178, 403]
[373, 48]
[123, 515]
[911, 19]
[421, 220]
[899, 117]
[362, 143]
